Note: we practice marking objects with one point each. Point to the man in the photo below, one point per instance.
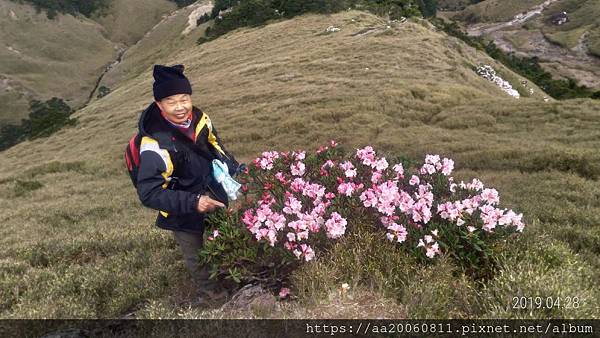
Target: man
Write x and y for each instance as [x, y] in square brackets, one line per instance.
[177, 147]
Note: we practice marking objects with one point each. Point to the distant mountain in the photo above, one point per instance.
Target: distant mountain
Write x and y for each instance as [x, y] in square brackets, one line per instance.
[63, 57]
[563, 34]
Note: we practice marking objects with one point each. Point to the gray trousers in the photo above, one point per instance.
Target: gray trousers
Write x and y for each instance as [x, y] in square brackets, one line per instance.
[190, 244]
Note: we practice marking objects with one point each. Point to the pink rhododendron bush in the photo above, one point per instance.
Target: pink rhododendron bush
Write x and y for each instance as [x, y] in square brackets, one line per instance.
[296, 205]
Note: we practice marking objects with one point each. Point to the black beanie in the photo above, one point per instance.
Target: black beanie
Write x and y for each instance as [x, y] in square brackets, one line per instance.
[170, 81]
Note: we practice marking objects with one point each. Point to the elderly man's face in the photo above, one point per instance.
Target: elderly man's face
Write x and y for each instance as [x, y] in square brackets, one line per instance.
[176, 107]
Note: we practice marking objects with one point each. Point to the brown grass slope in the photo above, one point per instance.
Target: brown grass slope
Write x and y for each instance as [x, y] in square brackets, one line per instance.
[63, 57]
[77, 243]
[127, 21]
[157, 44]
[496, 10]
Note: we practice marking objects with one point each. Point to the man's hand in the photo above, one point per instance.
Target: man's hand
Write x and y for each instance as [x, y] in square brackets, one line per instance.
[207, 204]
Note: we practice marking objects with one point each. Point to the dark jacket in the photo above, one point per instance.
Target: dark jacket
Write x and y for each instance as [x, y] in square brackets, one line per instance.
[174, 170]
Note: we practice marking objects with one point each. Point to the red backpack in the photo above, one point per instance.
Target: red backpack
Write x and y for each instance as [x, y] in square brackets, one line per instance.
[132, 157]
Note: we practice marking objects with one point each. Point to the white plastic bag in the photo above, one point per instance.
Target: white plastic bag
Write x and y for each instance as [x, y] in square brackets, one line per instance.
[221, 174]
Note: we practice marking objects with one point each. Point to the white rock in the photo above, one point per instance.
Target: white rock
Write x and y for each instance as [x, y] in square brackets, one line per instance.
[488, 73]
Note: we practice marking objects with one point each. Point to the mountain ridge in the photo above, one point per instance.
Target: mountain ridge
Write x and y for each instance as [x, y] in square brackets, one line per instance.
[40, 55]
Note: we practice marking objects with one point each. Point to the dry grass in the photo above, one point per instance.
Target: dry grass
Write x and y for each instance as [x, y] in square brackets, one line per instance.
[64, 57]
[81, 245]
[158, 43]
[497, 10]
[127, 21]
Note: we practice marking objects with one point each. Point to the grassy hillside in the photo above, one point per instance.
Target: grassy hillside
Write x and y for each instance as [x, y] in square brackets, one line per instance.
[496, 10]
[453, 5]
[77, 243]
[167, 35]
[584, 18]
[127, 21]
[40, 56]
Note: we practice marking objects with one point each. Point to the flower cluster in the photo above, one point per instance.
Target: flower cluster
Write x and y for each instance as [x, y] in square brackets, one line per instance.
[300, 198]
[305, 207]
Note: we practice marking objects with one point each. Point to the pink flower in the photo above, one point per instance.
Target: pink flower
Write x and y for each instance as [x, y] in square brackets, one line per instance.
[346, 188]
[297, 184]
[511, 218]
[336, 225]
[489, 216]
[284, 292]
[447, 166]
[346, 165]
[297, 225]
[381, 164]
[307, 252]
[376, 177]
[427, 169]
[405, 202]
[215, 234]
[248, 217]
[368, 198]
[399, 171]
[432, 159]
[292, 206]
[490, 196]
[302, 235]
[474, 185]
[388, 196]
[299, 156]
[313, 190]
[350, 172]
[322, 149]
[297, 168]
[367, 155]
[289, 246]
[507, 218]
[388, 220]
[266, 162]
[453, 187]
[281, 177]
[325, 166]
[309, 208]
[291, 236]
[396, 231]
[432, 250]
[431, 247]
[516, 221]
